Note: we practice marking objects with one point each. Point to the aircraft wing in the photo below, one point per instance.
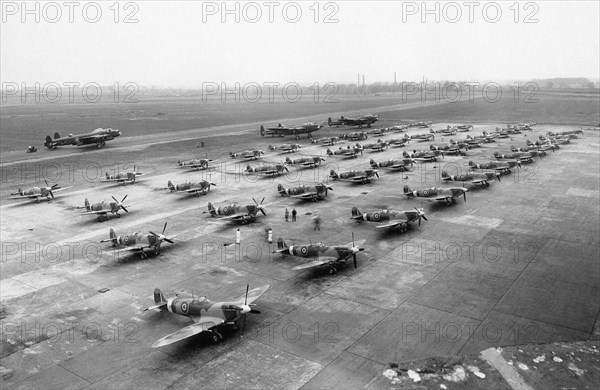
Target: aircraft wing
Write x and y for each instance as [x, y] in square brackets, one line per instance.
[306, 195]
[442, 197]
[133, 248]
[205, 323]
[390, 225]
[315, 263]
[25, 196]
[398, 166]
[106, 211]
[271, 172]
[234, 216]
[355, 179]
[252, 294]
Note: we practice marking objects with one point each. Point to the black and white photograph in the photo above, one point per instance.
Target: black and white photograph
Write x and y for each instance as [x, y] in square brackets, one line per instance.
[306, 195]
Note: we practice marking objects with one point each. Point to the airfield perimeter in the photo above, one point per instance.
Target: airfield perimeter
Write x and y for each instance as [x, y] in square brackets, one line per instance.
[516, 263]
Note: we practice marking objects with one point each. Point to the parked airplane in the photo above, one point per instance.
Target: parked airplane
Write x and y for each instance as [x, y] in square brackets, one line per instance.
[268, 170]
[355, 136]
[196, 163]
[378, 146]
[325, 140]
[123, 177]
[190, 187]
[569, 133]
[499, 166]
[98, 137]
[247, 154]
[523, 157]
[232, 215]
[450, 148]
[286, 148]
[207, 316]
[320, 254]
[556, 140]
[423, 155]
[533, 149]
[444, 132]
[378, 132]
[424, 137]
[280, 130]
[305, 162]
[541, 145]
[480, 178]
[448, 195]
[367, 120]
[139, 242]
[392, 164]
[395, 219]
[37, 192]
[230, 209]
[306, 192]
[354, 176]
[464, 127]
[349, 152]
[399, 142]
[420, 124]
[104, 209]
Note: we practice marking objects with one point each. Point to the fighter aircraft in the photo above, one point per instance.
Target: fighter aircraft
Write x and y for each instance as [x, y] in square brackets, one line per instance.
[207, 315]
[378, 132]
[534, 149]
[378, 146]
[305, 162]
[267, 170]
[542, 145]
[123, 177]
[398, 128]
[555, 140]
[320, 254]
[230, 209]
[451, 148]
[139, 242]
[523, 157]
[420, 124]
[280, 130]
[38, 192]
[424, 137]
[569, 133]
[444, 132]
[423, 155]
[306, 192]
[354, 176]
[247, 154]
[464, 127]
[196, 163]
[367, 120]
[399, 142]
[190, 187]
[499, 166]
[448, 195]
[485, 137]
[392, 164]
[355, 136]
[350, 152]
[325, 140]
[397, 219]
[480, 178]
[103, 209]
[232, 215]
[98, 137]
[286, 148]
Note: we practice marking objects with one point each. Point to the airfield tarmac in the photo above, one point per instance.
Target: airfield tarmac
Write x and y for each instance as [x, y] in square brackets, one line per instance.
[516, 263]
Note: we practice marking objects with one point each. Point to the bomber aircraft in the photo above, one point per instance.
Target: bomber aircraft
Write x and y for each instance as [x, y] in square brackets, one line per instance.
[98, 137]
[190, 187]
[104, 209]
[361, 121]
[394, 219]
[37, 192]
[305, 192]
[281, 130]
[448, 195]
[354, 176]
[207, 315]
[139, 242]
[320, 254]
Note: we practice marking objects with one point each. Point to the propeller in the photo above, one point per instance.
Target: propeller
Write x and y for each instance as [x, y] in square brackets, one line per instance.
[355, 250]
[120, 204]
[259, 206]
[421, 215]
[162, 235]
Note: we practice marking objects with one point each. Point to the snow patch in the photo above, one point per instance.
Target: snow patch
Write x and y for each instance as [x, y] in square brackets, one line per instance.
[575, 369]
[539, 359]
[458, 375]
[414, 376]
[557, 359]
[522, 366]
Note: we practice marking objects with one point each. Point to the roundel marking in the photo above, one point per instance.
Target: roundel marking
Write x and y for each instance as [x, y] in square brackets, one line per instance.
[426, 192]
[126, 240]
[376, 216]
[184, 307]
[304, 250]
[225, 209]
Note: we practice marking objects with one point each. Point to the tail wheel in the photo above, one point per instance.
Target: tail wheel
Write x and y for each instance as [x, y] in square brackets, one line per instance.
[215, 338]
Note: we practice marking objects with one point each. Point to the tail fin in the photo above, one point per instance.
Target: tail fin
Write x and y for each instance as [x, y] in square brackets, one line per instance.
[280, 189]
[288, 160]
[431, 147]
[158, 296]
[373, 163]
[87, 204]
[445, 175]
[170, 186]
[329, 121]
[329, 152]
[48, 142]
[355, 213]
[56, 135]
[107, 176]
[471, 163]
[496, 154]
[407, 190]
[333, 174]
[405, 154]
[211, 209]
[113, 237]
[262, 130]
[431, 130]
[280, 243]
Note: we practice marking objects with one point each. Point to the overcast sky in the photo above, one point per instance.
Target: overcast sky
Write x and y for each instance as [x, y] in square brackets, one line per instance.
[171, 44]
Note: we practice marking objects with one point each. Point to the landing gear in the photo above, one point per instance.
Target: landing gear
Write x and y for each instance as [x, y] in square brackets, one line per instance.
[117, 215]
[453, 201]
[143, 255]
[216, 336]
[100, 145]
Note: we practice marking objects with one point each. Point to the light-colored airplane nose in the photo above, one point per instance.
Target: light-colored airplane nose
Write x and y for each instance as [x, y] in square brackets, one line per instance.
[245, 309]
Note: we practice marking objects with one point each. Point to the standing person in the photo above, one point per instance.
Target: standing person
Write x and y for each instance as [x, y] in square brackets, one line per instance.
[294, 215]
[238, 237]
[317, 222]
[270, 236]
[287, 215]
